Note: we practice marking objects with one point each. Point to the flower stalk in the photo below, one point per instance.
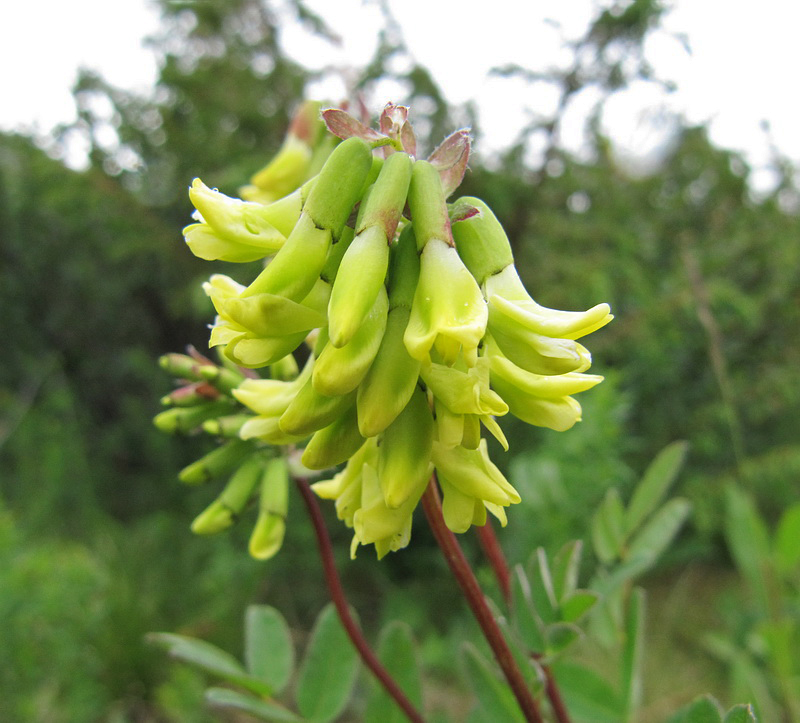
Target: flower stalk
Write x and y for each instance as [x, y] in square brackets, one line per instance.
[494, 554]
[340, 603]
[472, 592]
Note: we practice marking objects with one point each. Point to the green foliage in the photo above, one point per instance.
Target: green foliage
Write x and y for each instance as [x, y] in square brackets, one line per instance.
[398, 654]
[493, 694]
[51, 608]
[268, 652]
[701, 276]
[323, 683]
[763, 634]
[328, 671]
[706, 709]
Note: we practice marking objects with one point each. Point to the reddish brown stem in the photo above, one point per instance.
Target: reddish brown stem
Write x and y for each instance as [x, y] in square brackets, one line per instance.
[494, 554]
[497, 559]
[554, 696]
[472, 592]
[340, 602]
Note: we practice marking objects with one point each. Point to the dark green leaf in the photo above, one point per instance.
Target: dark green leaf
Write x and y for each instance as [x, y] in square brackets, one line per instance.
[542, 593]
[559, 636]
[574, 607]
[329, 669]
[748, 541]
[701, 710]
[566, 565]
[526, 622]
[632, 652]
[741, 714]
[587, 696]
[658, 532]
[655, 483]
[608, 528]
[787, 540]
[494, 696]
[225, 699]
[606, 622]
[268, 647]
[208, 658]
[397, 652]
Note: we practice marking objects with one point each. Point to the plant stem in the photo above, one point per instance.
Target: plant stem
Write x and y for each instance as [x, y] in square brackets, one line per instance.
[472, 592]
[494, 553]
[340, 602]
[554, 696]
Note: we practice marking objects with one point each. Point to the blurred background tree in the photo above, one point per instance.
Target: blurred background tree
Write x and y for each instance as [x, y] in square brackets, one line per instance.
[96, 551]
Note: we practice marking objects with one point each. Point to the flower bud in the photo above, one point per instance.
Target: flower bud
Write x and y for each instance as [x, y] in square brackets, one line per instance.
[404, 459]
[230, 229]
[363, 269]
[270, 527]
[448, 312]
[335, 443]
[181, 420]
[470, 474]
[392, 377]
[340, 370]
[217, 462]
[222, 513]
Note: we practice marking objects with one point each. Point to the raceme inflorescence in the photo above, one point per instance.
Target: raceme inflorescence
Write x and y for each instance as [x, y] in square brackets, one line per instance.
[387, 330]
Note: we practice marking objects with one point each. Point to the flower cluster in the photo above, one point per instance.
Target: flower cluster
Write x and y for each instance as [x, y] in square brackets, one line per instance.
[416, 330]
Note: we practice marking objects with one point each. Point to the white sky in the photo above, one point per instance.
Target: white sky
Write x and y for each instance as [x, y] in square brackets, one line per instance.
[741, 72]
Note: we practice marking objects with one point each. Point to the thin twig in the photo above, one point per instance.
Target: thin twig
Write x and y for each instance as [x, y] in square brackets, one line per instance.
[472, 592]
[340, 602]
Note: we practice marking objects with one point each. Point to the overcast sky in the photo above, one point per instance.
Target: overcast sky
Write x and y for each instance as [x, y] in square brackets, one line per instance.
[741, 71]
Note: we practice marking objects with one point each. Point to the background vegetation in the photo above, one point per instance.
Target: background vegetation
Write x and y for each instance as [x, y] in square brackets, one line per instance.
[96, 284]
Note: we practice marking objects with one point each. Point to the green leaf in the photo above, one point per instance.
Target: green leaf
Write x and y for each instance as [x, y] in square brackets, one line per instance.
[605, 624]
[526, 622]
[741, 714]
[632, 652]
[587, 696]
[608, 528]
[748, 541]
[574, 607]
[494, 696]
[701, 710]
[396, 650]
[225, 699]
[208, 658]
[565, 568]
[329, 669]
[659, 531]
[560, 636]
[657, 480]
[268, 647]
[787, 541]
[527, 664]
[543, 595]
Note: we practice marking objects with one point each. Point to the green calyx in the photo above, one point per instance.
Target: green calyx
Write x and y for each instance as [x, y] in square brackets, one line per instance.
[427, 205]
[480, 239]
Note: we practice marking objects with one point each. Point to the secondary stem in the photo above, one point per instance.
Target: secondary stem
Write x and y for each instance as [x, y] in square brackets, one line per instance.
[342, 608]
[474, 595]
[494, 553]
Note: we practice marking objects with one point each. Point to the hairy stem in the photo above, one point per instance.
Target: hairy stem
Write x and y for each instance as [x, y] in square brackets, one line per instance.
[340, 602]
[472, 592]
